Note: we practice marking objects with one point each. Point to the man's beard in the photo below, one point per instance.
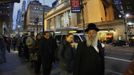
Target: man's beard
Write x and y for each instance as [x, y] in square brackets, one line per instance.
[92, 41]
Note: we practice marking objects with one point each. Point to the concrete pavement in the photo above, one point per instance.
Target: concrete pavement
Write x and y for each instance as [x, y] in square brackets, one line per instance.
[117, 59]
[16, 66]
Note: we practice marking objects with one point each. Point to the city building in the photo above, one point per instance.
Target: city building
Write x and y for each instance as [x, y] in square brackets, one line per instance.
[23, 15]
[34, 17]
[19, 20]
[6, 20]
[94, 11]
[63, 10]
[46, 8]
[125, 11]
[128, 7]
[54, 3]
[20, 17]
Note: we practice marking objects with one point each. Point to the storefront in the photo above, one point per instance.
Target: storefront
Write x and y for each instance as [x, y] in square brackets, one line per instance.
[106, 36]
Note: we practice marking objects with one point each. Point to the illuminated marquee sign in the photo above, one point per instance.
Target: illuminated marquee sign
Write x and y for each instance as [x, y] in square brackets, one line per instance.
[75, 6]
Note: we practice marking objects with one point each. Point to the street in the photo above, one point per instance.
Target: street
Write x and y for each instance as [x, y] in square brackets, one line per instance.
[117, 60]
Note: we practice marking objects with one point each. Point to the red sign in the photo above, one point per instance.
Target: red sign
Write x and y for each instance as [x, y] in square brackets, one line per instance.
[75, 6]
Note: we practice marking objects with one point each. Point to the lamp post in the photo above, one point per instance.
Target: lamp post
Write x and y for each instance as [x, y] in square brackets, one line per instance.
[36, 23]
[82, 11]
[43, 18]
[18, 27]
[126, 25]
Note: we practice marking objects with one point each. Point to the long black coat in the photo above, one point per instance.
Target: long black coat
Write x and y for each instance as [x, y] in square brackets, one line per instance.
[46, 49]
[88, 61]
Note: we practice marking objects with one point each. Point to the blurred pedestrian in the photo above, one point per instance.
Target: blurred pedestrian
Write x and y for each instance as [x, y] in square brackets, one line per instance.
[130, 69]
[54, 48]
[25, 47]
[37, 55]
[66, 55]
[46, 50]
[8, 43]
[14, 41]
[30, 42]
[89, 58]
[19, 46]
[2, 50]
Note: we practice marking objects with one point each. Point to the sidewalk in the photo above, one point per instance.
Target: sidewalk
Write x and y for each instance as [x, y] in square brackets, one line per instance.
[16, 66]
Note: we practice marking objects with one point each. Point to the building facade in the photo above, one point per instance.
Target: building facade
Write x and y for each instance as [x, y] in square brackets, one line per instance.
[6, 19]
[34, 17]
[20, 17]
[107, 14]
[95, 11]
[23, 14]
[125, 10]
[61, 14]
[19, 20]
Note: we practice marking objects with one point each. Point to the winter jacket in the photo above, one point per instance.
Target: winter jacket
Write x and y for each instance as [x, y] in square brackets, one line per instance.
[88, 61]
[66, 56]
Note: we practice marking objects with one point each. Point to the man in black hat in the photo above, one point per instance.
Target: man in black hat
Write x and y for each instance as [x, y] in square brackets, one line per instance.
[90, 54]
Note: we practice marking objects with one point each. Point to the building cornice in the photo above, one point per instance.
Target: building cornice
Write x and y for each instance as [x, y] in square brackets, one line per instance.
[113, 22]
[58, 9]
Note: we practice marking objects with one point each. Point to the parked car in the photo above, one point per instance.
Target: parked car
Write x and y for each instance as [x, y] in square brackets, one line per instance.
[77, 38]
[119, 43]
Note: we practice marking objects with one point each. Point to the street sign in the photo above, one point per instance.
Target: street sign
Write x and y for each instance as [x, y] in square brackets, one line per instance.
[75, 6]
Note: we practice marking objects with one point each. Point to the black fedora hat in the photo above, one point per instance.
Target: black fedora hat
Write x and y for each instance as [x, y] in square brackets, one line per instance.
[91, 26]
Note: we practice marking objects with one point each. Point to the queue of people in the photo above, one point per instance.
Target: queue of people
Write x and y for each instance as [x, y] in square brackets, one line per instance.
[5, 45]
[73, 58]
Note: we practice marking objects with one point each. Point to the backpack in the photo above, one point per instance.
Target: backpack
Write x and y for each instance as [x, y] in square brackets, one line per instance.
[30, 42]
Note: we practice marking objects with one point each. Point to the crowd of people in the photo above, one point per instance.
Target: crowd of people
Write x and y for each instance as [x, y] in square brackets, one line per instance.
[5, 44]
[83, 58]
[42, 51]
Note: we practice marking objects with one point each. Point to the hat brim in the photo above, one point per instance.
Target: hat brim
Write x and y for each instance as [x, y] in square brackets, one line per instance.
[96, 29]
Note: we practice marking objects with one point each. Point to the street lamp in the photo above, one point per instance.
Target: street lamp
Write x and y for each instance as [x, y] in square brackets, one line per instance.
[126, 25]
[18, 27]
[127, 15]
[129, 23]
[36, 23]
[82, 12]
